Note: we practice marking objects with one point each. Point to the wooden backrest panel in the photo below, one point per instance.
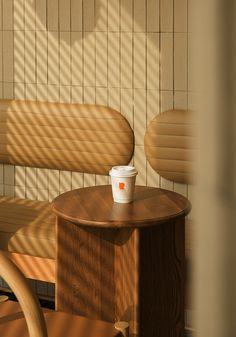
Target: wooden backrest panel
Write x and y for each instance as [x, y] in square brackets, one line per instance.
[74, 137]
[169, 145]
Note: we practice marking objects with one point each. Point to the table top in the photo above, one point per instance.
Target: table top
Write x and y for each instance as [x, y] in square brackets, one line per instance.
[94, 207]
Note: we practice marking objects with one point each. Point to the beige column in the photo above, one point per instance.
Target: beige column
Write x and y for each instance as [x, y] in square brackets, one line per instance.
[215, 260]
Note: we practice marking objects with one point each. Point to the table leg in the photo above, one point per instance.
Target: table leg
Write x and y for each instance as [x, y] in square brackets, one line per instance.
[132, 275]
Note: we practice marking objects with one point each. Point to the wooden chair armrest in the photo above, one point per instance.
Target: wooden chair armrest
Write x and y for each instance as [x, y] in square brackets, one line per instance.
[27, 299]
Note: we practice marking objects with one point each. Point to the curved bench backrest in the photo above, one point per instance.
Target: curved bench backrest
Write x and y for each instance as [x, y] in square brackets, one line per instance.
[169, 145]
[74, 137]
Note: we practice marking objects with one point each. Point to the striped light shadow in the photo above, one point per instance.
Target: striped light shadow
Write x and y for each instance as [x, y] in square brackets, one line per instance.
[19, 91]
[29, 16]
[101, 59]
[126, 281]
[20, 192]
[101, 95]
[94, 270]
[31, 177]
[65, 94]
[77, 180]
[53, 58]
[54, 180]
[41, 57]
[113, 59]
[1, 63]
[65, 181]
[89, 180]
[20, 176]
[18, 15]
[114, 98]
[139, 115]
[127, 105]
[30, 57]
[153, 61]
[153, 104]
[41, 11]
[41, 92]
[19, 57]
[113, 15]
[53, 93]
[139, 60]
[140, 164]
[89, 59]
[101, 17]
[126, 60]
[126, 15]
[43, 184]
[31, 91]
[65, 58]
[89, 95]
[76, 58]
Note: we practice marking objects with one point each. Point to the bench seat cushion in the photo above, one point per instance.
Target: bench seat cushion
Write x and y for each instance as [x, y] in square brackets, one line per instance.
[27, 227]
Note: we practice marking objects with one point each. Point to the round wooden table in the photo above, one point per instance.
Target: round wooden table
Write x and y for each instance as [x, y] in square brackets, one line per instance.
[123, 261]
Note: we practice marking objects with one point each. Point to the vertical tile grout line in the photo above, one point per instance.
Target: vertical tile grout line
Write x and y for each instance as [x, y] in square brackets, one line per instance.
[70, 49]
[70, 37]
[146, 86]
[173, 67]
[160, 72]
[159, 179]
[3, 81]
[13, 72]
[120, 56]
[95, 59]
[107, 4]
[173, 55]
[47, 50]
[133, 107]
[95, 51]
[187, 9]
[2, 93]
[24, 35]
[35, 70]
[82, 35]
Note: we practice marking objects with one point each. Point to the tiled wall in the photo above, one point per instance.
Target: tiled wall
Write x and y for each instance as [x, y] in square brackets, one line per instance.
[132, 55]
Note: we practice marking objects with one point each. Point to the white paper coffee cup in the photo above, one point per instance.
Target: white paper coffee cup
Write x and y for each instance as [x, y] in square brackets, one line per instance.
[123, 183]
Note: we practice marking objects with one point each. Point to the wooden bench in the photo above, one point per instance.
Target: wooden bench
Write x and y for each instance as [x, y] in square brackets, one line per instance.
[170, 148]
[73, 137]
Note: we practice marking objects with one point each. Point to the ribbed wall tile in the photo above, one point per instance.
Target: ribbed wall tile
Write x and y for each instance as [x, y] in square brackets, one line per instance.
[131, 55]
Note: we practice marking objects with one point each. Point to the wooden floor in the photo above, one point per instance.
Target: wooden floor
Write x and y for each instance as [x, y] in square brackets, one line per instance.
[12, 324]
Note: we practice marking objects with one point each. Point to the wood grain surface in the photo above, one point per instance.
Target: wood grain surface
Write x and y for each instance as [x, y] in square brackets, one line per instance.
[74, 137]
[94, 206]
[59, 324]
[169, 145]
[112, 264]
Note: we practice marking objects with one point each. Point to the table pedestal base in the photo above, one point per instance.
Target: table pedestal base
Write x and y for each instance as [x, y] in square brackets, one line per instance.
[135, 275]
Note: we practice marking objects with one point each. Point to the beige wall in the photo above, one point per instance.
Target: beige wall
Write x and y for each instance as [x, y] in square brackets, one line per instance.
[132, 55]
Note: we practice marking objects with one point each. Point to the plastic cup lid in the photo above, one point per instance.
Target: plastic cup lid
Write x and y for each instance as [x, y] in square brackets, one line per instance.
[123, 171]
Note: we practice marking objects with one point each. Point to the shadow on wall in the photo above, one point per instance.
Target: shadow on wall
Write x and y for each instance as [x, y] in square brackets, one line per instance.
[82, 15]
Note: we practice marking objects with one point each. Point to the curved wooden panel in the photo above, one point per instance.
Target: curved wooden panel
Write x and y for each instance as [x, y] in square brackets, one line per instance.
[75, 137]
[169, 145]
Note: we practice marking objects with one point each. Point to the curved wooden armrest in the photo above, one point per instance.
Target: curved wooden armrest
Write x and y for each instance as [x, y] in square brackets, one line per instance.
[27, 299]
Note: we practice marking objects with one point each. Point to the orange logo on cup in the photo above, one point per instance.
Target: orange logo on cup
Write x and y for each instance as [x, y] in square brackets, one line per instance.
[121, 186]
